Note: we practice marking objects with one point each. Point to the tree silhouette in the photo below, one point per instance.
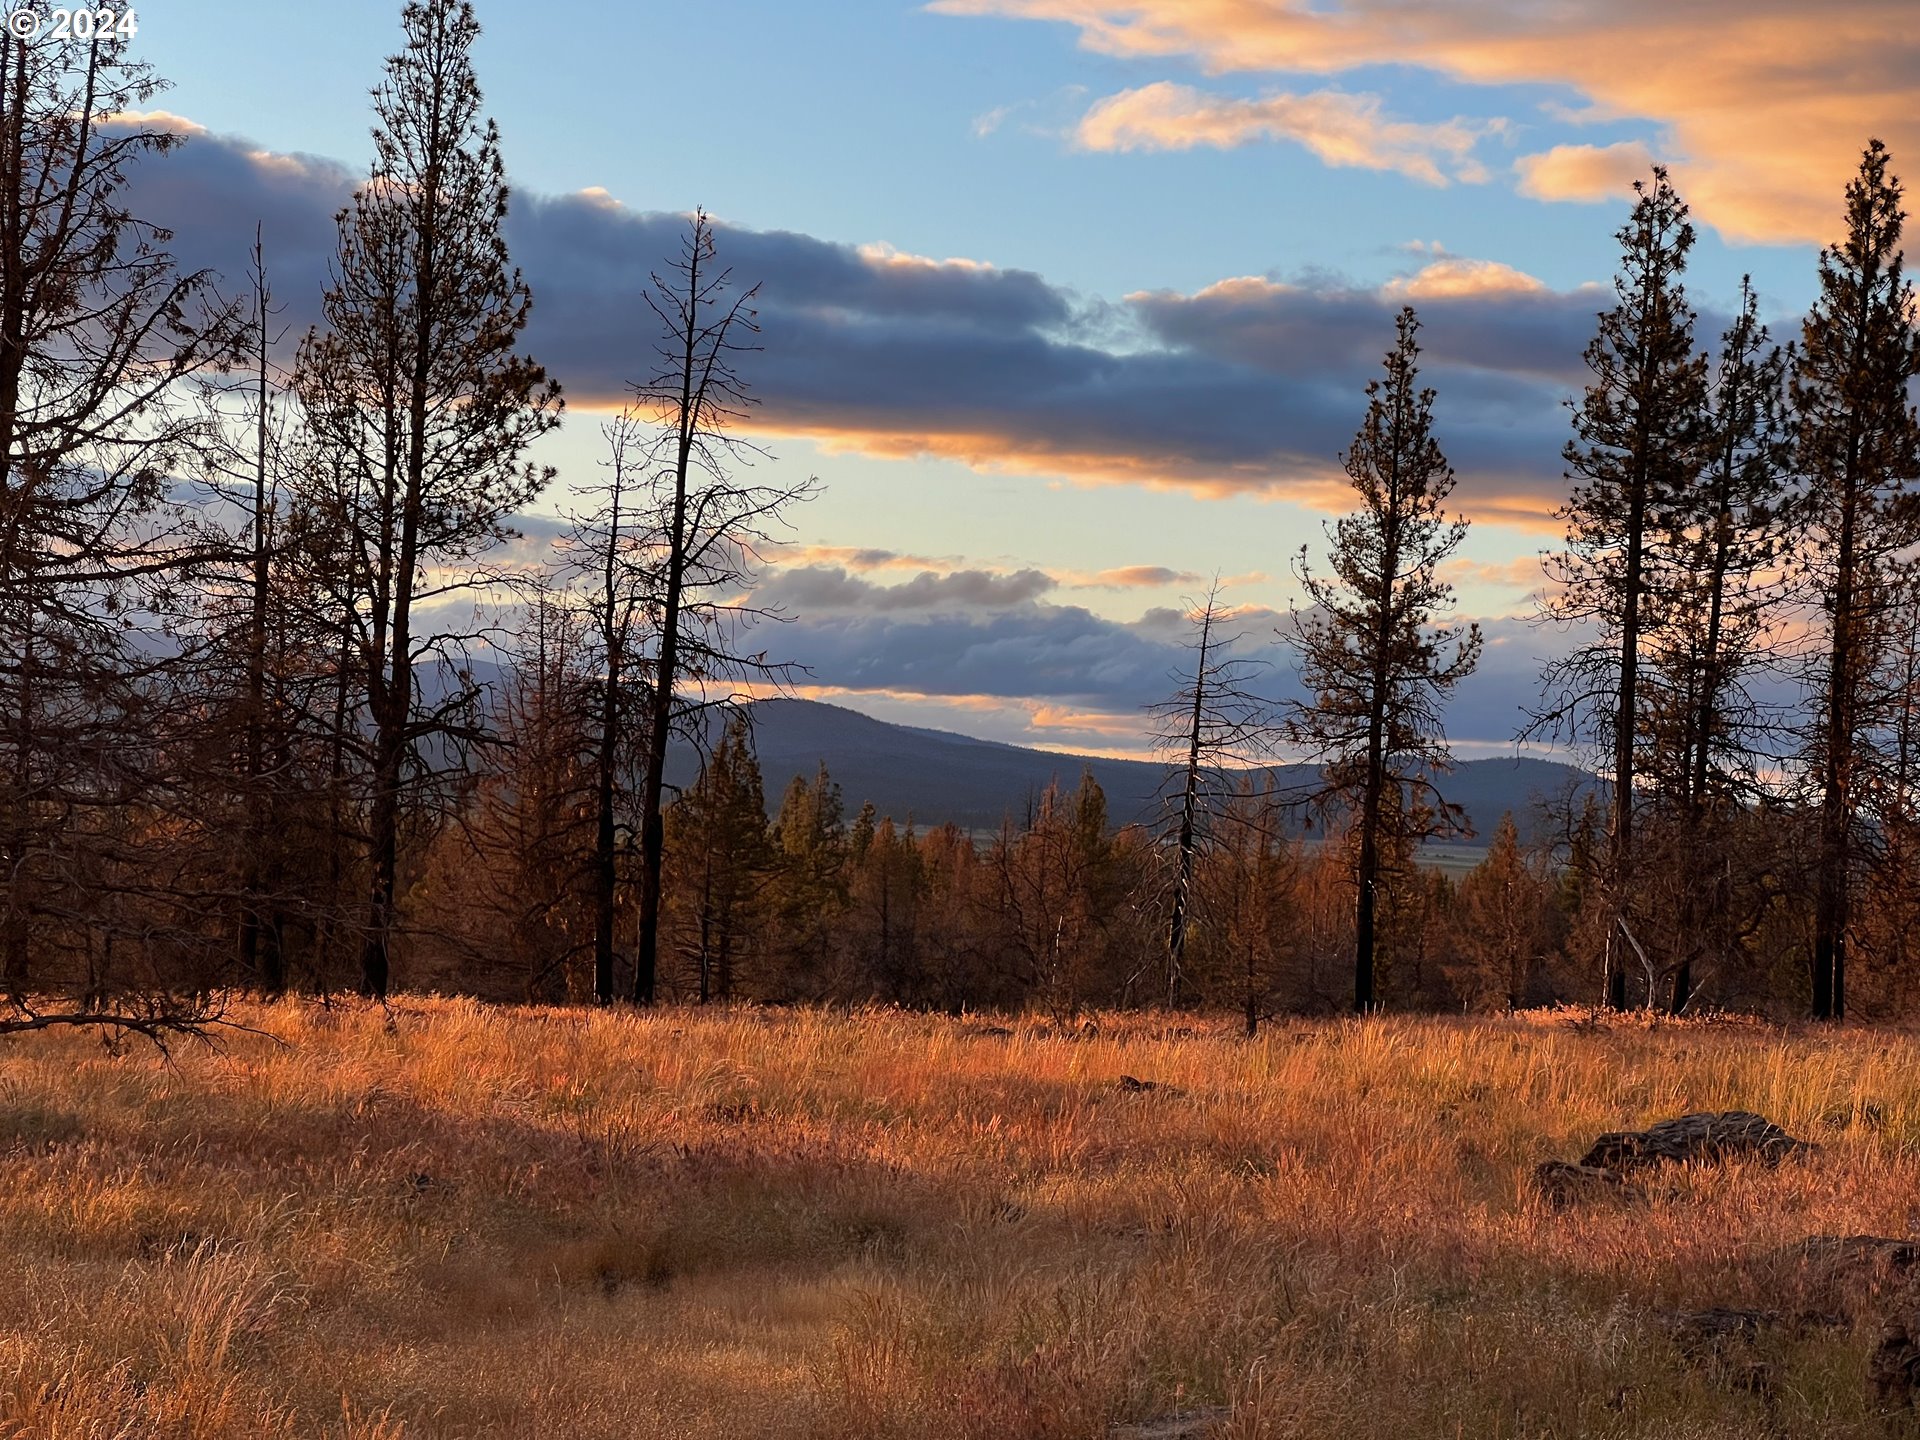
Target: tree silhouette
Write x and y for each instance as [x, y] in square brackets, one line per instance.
[1376, 664]
[1636, 449]
[416, 388]
[721, 857]
[99, 329]
[708, 528]
[1859, 447]
[1211, 723]
[1716, 591]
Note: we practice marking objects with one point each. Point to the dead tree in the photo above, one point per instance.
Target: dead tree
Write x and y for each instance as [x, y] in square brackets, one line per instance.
[1213, 724]
[707, 529]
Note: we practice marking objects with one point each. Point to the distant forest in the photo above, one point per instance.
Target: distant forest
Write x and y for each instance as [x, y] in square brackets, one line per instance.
[280, 709]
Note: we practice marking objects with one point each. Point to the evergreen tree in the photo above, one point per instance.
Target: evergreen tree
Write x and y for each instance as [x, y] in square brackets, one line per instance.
[1635, 453]
[720, 858]
[415, 386]
[1377, 665]
[1716, 591]
[1503, 907]
[811, 835]
[1858, 444]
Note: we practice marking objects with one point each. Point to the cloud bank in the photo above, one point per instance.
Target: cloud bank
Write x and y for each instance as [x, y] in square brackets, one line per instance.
[1252, 385]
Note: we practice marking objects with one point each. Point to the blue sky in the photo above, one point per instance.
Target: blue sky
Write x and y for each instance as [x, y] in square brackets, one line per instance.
[1083, 289]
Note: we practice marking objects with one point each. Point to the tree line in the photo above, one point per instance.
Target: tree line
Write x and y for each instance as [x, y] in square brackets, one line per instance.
[1743, 524]
[275, 713]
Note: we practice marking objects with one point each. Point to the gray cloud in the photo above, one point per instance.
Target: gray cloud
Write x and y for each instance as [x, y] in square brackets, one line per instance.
[1246, 385]
[815, 589]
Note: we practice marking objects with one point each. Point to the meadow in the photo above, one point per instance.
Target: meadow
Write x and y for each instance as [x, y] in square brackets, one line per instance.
[452, 1220]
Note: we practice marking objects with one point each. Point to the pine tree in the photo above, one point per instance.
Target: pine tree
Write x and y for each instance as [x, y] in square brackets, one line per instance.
[720, 857]
[1858, 444]
[1635, 452]
[1376, 663]
[415, 386]
[1504, 902]
[1715, 565]
[810, 834]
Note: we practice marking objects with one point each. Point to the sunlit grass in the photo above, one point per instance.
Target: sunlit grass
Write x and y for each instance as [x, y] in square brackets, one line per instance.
[481, 1222]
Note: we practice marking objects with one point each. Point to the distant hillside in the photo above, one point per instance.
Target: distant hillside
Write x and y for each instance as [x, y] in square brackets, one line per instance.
[935, 776]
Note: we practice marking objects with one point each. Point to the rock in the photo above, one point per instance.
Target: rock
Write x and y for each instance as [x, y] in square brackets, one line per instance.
[1704, 1138]
[1887, 1253]
[1893, 1370]
[1187, 1425]
[1721, 1342]
[1563, 1184]
[1129, 1085]
[1704, 1334]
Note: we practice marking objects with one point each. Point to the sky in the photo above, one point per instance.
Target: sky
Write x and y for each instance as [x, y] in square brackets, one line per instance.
[1069, 305]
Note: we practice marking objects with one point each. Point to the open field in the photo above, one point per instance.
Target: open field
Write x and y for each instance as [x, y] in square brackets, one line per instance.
[506, 1222]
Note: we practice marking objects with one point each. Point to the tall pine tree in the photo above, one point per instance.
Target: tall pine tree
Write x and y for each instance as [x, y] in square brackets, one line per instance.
[1375, 662]
[1636, 449]
[1859, 447]
[415, 386]
[1716, 594]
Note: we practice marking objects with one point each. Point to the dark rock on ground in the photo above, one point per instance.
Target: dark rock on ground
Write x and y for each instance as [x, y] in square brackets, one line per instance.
[1715, 1332]
[1851, 1274]
[1708, 1137]
[1705, 1138]
[1563, 1184]
[1839, 1281]
[1893, 1370]
[1130, 1085]
[1881, 1252]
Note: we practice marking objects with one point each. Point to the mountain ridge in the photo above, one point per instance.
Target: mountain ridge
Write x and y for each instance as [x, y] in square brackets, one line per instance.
[935, 776]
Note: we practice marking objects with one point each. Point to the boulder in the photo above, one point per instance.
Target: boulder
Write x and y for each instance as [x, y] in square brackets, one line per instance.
[1563, 1184]
[1704, 1138]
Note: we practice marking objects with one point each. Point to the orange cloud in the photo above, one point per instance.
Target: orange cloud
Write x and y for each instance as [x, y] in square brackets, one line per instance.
[859, 558]
[1342, 129]
[1583, 172]
[154, 120]
[1315, 484]
[1766, 104]
[1295, 478]
[1457, 278]
[1135, 577]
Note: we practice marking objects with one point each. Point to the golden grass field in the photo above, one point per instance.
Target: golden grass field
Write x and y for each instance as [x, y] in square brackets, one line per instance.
[510, 1222]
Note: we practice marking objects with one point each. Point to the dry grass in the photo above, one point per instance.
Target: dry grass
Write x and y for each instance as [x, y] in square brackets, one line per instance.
[497, 1222]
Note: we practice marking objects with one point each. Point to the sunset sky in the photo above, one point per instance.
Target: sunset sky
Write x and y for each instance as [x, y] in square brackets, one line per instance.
[1070, 304]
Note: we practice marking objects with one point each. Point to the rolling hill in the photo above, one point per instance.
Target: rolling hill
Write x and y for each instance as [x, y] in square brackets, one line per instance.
[936, 776]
